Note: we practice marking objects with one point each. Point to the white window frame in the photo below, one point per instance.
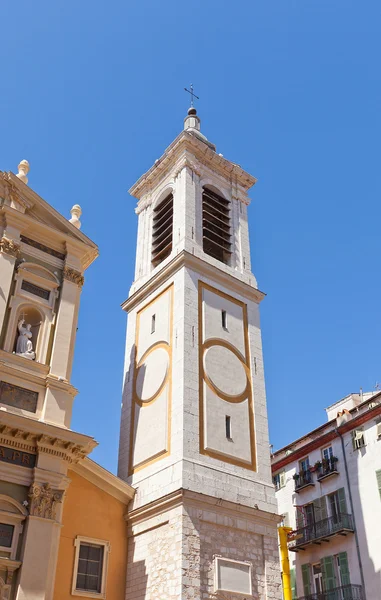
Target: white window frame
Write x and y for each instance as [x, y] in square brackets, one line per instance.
[330, 453]
[14, 519]
[218, 559]
[80, 539]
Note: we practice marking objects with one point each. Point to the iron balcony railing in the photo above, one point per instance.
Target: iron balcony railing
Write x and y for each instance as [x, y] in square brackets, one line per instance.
[328, 466]
[305, 478]
[322, 529]
[344, 592]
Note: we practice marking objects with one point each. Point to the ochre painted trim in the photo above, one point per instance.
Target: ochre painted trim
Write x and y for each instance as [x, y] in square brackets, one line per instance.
[168, 381]
[202, 378]
[151, 349]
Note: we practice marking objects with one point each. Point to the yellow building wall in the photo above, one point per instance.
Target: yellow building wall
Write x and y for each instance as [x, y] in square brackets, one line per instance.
[91, 512]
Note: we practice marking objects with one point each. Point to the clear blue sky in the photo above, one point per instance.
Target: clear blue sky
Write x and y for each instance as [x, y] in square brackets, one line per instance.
[92, 93]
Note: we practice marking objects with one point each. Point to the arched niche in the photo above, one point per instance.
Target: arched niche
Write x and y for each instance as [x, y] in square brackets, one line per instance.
[30, 315]
[34, 300]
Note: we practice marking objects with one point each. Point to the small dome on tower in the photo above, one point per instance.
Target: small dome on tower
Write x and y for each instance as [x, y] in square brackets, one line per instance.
[192, 111]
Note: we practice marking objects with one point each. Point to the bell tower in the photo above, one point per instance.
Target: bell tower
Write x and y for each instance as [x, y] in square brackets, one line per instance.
[194, 437]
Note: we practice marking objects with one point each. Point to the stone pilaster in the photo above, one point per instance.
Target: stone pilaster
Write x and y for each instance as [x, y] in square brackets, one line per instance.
[66, 327]
[9, 251]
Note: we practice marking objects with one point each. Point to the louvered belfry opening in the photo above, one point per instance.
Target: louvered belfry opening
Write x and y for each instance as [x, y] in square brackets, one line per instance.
[162, 230]
[216, 226]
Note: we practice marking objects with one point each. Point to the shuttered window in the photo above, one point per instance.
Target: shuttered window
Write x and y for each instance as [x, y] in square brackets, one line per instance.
[293, 584]
[378, 475]
[306, 579]
[320, 508]
[299, 518]
[342, 501]
[358, 439]
[162, 230]
[216, 238]
[328, 570]
[342, 561]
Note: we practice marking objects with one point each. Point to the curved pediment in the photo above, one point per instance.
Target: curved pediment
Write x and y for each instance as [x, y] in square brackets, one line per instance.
[39, 271]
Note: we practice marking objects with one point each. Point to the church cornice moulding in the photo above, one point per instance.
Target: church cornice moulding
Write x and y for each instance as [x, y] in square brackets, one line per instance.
[187, 143]
[31, 442]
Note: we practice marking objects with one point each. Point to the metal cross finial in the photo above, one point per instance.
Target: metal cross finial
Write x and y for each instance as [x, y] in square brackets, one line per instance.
[191, 92]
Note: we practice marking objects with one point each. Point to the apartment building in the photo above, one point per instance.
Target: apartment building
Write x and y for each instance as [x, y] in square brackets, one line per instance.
[328, 489]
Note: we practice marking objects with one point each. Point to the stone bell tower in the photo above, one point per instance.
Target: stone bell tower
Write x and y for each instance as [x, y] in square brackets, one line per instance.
[194, 438]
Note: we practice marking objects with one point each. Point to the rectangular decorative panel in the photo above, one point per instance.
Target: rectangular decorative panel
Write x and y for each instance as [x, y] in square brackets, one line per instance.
[35, 289]
[17, 457]
[232, 576]
[151, 401]
[225, 379]
[18, 397]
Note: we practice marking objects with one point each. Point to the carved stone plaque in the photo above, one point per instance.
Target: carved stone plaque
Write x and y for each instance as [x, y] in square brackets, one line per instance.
[19, 397]
[17, 457]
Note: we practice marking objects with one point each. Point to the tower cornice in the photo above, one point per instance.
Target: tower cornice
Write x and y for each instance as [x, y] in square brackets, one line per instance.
[185, 259]
[185, 148]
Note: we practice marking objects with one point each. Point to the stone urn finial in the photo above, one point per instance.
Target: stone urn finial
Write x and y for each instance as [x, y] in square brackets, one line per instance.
[76, 212]
[23, 171]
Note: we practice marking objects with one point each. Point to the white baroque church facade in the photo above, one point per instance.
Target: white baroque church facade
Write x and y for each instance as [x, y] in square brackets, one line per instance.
[194, 435]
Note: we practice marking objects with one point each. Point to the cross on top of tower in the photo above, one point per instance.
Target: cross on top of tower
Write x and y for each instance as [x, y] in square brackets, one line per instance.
[192, 94]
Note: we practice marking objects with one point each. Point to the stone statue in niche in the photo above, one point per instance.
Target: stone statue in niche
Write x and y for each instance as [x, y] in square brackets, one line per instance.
[24, 346]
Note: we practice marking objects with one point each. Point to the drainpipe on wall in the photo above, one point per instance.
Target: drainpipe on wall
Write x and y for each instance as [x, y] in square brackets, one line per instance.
[353, 514]
[285, 563]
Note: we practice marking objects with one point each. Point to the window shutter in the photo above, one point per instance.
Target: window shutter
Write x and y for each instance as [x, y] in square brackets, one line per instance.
[282, 479]
[216, 238]
[328, 571]
[378, 475]
[299, 519]
[378, 430]
[162, 227]
[306, 579]
[344, 569]
[342, 501]
[320, 509]
[293, 584]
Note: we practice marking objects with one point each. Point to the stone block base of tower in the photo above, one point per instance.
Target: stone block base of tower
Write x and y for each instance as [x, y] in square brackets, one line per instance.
[191, 546]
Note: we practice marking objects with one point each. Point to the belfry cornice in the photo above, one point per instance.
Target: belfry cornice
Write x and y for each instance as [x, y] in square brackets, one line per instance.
[185, 259]
[189, 148]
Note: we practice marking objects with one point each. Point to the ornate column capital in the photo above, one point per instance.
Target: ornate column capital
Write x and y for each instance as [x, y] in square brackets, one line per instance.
[74, 276]
[44, 500]
[9, 247]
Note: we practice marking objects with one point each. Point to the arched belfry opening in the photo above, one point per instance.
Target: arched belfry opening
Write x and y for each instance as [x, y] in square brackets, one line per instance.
[162, 230]
[216, 233]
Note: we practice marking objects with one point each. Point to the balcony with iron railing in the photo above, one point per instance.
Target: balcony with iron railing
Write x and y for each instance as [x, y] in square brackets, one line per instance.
[303, 479]
[321, 531]
[344, 592]
[327, 468]
[322, 469]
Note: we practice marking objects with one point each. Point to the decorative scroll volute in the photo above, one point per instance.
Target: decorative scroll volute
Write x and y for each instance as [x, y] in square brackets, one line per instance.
[44, 500]
[10, 247]
[73, 276]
